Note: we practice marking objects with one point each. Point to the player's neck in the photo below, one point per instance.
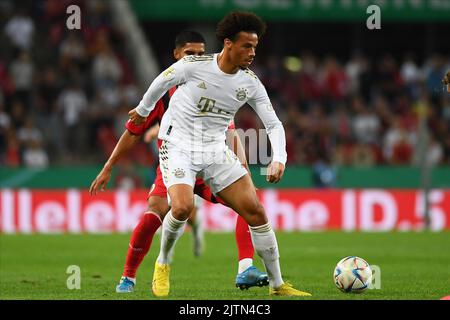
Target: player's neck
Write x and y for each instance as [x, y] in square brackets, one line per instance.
[225, 64]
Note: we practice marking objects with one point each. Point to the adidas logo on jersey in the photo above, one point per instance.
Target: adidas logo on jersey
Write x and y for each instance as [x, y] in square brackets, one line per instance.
[202, 85]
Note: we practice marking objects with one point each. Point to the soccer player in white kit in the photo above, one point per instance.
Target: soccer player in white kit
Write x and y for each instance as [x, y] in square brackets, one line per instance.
[211, 89]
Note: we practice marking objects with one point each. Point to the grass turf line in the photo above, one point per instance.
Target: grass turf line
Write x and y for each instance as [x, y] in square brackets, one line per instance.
[413, 265]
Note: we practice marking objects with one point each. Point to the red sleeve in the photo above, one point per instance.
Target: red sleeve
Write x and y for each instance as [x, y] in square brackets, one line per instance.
[231, 126]
[153, 118]
[172, 91]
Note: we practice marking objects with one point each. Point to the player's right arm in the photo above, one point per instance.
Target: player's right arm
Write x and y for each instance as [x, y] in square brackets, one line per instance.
[260, 102]
[126, 142]
[172, 76]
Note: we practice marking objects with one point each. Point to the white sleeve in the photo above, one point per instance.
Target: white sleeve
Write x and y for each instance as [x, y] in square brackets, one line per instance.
[260, 102]
[174, 75]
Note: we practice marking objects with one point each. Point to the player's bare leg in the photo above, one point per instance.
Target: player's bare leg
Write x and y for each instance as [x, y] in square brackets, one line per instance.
[195, 222]
[241, 196]
[141, 240]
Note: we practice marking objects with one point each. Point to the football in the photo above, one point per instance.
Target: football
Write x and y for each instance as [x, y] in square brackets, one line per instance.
[352, 274]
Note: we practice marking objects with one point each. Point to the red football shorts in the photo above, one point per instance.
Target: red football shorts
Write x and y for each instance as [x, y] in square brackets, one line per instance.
[159, 189]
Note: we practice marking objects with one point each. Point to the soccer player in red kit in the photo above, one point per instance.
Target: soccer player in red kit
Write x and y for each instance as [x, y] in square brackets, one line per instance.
[186, 43]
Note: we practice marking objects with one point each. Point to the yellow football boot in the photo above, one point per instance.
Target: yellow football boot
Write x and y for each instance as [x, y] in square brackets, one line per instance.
[286, 289]
[161, 284]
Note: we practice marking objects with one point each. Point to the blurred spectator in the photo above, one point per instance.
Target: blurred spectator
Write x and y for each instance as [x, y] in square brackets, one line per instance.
[398, 143]
[435, 152]
[72, 51]
[34, 156]
[388, 77]
[20, 29]
[29, 132]
[21, 71]
[324, 174]
[18, 114]
[341, 123]
[434, 72]
[12, 154]
[335, 81]
[127, 178]
[308, 83]
[410, 74]
[363, 156]
[72, 103]
[353, 71]
[5, 125]
[106, 68]
[365, 123]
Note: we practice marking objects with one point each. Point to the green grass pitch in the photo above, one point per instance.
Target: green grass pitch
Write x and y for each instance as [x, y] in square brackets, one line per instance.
[413, 266]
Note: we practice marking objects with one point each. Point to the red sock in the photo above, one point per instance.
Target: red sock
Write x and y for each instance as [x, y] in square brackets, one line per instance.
[243, 239]
[140, 242]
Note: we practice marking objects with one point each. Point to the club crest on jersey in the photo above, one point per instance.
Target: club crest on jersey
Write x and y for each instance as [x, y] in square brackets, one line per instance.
[179, 173]
[241, 94]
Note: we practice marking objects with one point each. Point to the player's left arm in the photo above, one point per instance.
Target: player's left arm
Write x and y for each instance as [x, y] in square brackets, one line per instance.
[260, 102]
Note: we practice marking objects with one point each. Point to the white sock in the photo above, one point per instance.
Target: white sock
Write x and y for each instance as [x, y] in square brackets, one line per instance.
[266, 246]
[131, 279]
[172, 229]
[244, 264]
[172, 249]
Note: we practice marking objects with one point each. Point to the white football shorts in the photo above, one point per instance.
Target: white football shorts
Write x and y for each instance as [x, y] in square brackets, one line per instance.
[219, 168]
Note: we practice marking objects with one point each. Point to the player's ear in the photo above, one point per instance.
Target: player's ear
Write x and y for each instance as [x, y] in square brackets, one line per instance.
[176, 54]
[227, 43]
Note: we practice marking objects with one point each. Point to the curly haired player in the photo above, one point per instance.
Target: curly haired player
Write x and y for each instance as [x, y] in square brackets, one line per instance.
[187, 43]
[212, 89]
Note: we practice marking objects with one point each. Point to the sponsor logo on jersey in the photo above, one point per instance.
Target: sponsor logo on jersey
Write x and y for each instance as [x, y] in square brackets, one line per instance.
[207, 106]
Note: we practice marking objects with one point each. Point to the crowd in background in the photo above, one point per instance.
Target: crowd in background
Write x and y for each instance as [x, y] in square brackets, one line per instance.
[64, 94]
[360, 111]
[64, 97]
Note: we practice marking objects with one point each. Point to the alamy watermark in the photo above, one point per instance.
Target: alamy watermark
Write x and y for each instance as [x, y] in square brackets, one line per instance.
[74, 280]
[374, 20]
[256, 145]
[74, 20]
[376, 277]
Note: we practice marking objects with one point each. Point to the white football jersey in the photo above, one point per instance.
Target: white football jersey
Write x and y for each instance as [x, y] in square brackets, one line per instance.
[206, 101]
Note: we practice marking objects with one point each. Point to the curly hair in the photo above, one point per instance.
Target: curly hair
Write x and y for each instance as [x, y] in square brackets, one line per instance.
[238, 21]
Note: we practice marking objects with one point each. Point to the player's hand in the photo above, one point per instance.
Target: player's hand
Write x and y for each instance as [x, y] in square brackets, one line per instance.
[135, 117]
[148, 137]
[100, 182]
[446, 80]
[275, 172]
[151, 133]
